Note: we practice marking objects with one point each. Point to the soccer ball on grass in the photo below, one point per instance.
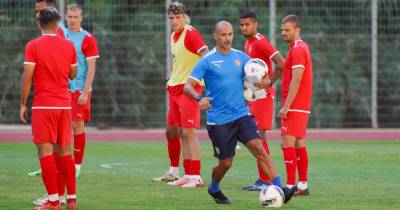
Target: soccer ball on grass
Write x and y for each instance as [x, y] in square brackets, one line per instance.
[272, 196]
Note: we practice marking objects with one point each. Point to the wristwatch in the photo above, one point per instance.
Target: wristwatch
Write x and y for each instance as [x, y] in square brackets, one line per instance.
[198, 97]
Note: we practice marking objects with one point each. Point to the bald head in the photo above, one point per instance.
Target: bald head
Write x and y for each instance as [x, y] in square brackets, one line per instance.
[222, 24]
[223, 34]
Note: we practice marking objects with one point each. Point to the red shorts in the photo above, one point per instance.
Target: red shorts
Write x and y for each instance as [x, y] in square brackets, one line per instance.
[80, 112]
[52, 126]
[263, 110]
[295, 124]
[184, 111]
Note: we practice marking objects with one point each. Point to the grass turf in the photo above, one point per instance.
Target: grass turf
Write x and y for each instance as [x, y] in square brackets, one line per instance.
[118, 175]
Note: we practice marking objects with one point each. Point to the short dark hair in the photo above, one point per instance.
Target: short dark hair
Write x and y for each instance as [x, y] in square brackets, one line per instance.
[176, 7]
[248, 14]
[293, 19]
[51, 2]
[47, 16]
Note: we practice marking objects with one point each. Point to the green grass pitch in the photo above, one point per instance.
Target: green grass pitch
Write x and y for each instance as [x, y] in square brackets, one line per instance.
[118, 175]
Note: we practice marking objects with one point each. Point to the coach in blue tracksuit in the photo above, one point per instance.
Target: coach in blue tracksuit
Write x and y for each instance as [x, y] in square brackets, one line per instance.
[228, 117]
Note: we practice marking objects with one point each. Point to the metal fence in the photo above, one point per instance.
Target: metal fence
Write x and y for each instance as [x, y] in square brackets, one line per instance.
[129, 88]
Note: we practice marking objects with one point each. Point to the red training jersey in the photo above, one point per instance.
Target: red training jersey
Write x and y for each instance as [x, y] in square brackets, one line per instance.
[259, 47]
[89, 47]
[60, 32]
[53, 57]
[299, 56]
[193, 40]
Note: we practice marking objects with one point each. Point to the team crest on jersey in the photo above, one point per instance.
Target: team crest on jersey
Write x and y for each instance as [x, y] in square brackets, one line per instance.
[237, 62]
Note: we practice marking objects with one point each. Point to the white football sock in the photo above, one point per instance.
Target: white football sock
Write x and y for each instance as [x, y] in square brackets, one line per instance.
[302, 185]
[173, 170]
[195, 177]
[78, 166]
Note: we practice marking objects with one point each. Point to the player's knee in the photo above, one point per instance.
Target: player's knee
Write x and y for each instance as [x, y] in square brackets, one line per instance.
[171, 133]
[226, 164]
[188, 134]
[260, 154]
[65, 150]
[78, 127]
[300, 143]
[45, 149]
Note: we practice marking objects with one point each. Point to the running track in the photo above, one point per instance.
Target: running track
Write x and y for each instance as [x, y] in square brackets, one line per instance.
[17, 133]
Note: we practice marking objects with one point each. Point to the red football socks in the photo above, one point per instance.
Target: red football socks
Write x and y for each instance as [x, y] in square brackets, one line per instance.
[289, 155]
[174, 151]
[195, 166]
[186, 166]
[49, 175]
[261, 174]
[60, 176]
[68, 170]
[302, 163]
[79, 147]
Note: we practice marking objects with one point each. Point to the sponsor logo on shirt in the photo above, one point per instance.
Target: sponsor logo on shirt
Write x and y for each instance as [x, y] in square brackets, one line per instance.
[217, 63]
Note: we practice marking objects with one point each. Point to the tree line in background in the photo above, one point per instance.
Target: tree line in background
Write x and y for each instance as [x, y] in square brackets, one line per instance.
[129, 88]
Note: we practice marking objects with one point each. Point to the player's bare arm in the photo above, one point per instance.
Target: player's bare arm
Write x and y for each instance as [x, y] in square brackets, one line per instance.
[83, 98]
[267, 82]
[293, 89]
[26, 84]
[73, 71]
[204, 102]
[279, 66]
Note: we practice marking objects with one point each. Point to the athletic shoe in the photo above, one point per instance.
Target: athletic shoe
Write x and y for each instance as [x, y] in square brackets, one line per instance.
[77, 172]
[48, 206]
[44, 199]
[35, 173]
[194, 182]
[257, 186]
[41, 201]
[302, 192]
[180, 182]
[219, 197]
[289, 192]
[72, 206]
[63, 202]
[167, 178]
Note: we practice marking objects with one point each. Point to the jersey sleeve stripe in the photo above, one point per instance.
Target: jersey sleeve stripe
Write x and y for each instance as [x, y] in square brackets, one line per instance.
[51, 107]
[30, 63]
[75, 64]
[194, 78]
[298, 66]
[91, 57]
[201, 48]
[273, 54]
[299, 110]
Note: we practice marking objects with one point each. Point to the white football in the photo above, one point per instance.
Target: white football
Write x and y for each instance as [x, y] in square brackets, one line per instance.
[272, 196]
[255, 69]
[249, 94]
